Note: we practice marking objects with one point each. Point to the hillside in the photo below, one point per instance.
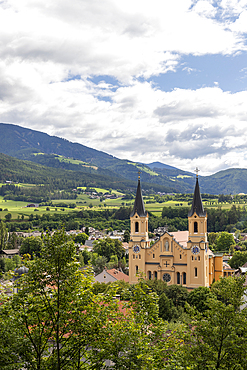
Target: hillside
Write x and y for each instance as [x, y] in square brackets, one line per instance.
[16, 170]
[83, 164]
[25, 144]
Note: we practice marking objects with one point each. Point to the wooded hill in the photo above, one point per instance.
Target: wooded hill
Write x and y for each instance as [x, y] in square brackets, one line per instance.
[95, 168]
[16, 170]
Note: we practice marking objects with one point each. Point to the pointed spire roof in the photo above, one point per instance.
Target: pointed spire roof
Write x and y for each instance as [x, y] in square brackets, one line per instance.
[139, 207]
[197, 206]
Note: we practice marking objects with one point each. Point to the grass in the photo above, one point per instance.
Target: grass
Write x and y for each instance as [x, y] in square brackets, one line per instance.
[18, 208]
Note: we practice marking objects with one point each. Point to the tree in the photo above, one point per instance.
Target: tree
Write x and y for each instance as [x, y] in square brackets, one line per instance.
[217, 340]
[3, 235]
[55, 321]
[198, 298]
[178, 294]
[31, 245]
[126, 237]
[108, 247]
[224, 241]
[81, 238]
[8, 216]
[238, 259]
[55, 312]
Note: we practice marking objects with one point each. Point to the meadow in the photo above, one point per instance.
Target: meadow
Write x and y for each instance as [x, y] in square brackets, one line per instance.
[19, 209]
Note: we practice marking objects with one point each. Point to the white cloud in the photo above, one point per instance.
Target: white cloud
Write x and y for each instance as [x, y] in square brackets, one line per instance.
[44, 44]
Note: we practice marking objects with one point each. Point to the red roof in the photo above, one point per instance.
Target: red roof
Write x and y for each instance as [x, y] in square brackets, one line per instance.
[118, 275]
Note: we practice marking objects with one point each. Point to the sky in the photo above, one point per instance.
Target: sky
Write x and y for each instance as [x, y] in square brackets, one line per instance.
[144, 80]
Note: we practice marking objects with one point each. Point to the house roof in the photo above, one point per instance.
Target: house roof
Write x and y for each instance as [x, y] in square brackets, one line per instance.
[118, 275]
[139, 207]
[10, 251]
[181, 237]
[197, 206]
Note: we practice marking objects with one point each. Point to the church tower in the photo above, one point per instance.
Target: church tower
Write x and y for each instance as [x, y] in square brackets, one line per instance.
[139, 241]
[198, 259]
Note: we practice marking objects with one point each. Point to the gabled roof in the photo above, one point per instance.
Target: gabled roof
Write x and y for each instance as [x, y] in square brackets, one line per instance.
[197, 206]
[139, 207]
[118, 275]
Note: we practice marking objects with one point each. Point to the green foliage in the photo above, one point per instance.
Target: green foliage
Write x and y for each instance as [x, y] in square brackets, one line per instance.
[217, 340]
[31, 245]
[167, 310]
[238, 259]
[3, 235]
[113, 263]
[126, 237]
[178, 294]
[198, 298]
[99, 263]
[230, 290]
[108, 247]
[223, 241]
[81, 238]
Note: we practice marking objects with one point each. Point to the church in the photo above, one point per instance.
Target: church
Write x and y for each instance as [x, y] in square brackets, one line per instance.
[181, 257]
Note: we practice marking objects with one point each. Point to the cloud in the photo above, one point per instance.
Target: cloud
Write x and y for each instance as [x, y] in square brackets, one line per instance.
[51, 54]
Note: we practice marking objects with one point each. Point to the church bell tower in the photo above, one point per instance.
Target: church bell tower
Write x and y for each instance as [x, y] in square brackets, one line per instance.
[139, 241]
[198, 271]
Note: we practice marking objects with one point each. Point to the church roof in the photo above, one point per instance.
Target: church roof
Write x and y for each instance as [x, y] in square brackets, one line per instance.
[197, 206]
[139, 207]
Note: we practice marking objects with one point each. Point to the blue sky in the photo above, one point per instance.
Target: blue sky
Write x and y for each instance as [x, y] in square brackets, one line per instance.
[147, 81]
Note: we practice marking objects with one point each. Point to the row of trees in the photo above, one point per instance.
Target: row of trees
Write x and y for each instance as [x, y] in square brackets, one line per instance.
[56, 320]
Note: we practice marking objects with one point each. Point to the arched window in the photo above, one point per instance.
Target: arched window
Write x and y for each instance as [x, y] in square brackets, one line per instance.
[136, 269]
[195, 271]
[166, 248]
[195, 227]
[149, 275]
[136, 227]
[184, 278]
[155, 275]
[178, 278]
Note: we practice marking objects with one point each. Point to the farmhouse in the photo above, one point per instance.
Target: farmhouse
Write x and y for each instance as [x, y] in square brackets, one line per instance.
[181, 257]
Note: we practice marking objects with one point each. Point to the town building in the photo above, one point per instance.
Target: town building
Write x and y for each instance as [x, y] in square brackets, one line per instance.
[181, 257]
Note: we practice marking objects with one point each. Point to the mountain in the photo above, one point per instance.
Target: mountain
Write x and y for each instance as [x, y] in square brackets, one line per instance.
[88, 165]
[47, 150]
[160, 165]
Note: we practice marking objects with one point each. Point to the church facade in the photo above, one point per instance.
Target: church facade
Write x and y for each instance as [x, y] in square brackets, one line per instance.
[181, 257]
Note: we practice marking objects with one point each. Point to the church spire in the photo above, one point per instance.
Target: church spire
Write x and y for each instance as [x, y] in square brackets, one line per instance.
[197, 206]
[139, 207]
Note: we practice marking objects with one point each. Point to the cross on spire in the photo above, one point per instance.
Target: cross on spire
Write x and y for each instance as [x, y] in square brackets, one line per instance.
[139, 175]
[196, 171]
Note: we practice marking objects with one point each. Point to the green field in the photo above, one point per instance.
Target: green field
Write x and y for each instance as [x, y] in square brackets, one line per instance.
[83, 201]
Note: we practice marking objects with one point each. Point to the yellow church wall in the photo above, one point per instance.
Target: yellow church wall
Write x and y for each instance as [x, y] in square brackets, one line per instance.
[182, 255]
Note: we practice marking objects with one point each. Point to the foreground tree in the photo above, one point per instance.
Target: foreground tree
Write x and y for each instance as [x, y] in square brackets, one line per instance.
[3, 235]
[55, 321]
[217, 339]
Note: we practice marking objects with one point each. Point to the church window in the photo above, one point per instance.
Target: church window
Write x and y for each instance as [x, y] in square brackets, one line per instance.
[178, 278]
[184, 278]
[136, 227]
[153, 255]
[133, 256]
[180, 256]
[198, 258]
[149, 275]
[140, 256]
[136, 269]
[195, 227]
[192, 258]
[155, 275]
[167, 246]
[195, 271]
[167, 277]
